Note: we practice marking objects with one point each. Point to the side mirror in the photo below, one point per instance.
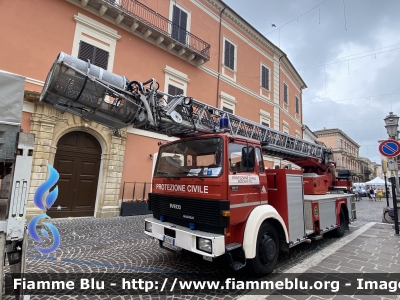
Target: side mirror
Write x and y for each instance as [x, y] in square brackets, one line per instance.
[248, 158]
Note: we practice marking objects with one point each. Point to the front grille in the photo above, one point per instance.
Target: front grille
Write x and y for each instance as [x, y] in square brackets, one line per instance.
[205, 214]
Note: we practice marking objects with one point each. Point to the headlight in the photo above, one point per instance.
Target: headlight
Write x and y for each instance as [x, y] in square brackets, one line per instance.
[147, 226]
[204, 245]
[187, 101]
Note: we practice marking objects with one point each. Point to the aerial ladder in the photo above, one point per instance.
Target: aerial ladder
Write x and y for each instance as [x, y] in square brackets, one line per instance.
[283, 210]
[92, 93]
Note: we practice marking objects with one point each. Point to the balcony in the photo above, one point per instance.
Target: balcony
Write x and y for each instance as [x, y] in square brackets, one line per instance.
[153, 27]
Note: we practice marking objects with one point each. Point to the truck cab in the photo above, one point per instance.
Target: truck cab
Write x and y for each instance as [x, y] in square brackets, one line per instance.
[203, 191]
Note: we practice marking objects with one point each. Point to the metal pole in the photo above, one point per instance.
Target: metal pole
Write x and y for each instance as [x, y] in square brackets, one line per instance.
[386, 191]
[396, 217]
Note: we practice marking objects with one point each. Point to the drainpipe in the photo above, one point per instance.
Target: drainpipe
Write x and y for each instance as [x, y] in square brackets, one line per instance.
[279, 87]
[219, 53]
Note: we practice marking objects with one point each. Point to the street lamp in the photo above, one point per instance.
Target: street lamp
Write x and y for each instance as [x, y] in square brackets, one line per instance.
[392, 124]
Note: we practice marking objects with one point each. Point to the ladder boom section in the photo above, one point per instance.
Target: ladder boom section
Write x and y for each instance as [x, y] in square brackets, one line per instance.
[83, 89]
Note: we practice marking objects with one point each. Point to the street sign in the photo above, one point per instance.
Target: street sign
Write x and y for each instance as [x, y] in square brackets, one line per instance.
[389, 148]
[392, 164]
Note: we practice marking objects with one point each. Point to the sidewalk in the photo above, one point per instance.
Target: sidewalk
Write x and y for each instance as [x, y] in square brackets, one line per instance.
[372, 248]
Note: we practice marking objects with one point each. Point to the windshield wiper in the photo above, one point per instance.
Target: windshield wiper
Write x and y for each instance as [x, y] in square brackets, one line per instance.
[165, 174]
[198, 175]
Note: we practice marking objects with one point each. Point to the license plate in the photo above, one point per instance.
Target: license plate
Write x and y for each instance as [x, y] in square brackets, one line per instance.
[169, 240]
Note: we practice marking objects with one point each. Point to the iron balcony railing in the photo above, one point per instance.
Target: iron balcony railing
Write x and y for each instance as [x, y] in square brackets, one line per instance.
[161, 24]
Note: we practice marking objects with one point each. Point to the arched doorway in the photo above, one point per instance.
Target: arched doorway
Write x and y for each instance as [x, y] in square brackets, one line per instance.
[77, 160]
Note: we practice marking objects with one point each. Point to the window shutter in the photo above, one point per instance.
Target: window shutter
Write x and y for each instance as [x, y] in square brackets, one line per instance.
[227, 109]
[183, 25]
[226, 60]
[86, 51]
[173, 90]
[265, 78]
[285, 93]
[100, 58]
[232, 57]
[97, 56]
[175, 22]
[179, 26]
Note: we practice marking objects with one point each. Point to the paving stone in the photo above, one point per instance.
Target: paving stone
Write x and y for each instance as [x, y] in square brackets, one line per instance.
[118, 245]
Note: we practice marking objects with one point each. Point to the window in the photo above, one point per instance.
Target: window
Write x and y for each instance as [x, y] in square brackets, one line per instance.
[101, 38]
[227, 109]
[297, 106]
[260, 161]
[179, 25]
[264, 118]
[228, 103]
[235, 158]
[265, 77]
[229, 60]
[175, 82]
[285, 93]
[286, 127]
[97, 56]
[173, 90]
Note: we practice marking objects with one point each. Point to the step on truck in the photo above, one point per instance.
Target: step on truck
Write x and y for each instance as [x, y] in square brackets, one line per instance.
[211, 193]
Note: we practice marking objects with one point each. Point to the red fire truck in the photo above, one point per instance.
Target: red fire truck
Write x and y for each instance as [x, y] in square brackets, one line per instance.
[211, 193]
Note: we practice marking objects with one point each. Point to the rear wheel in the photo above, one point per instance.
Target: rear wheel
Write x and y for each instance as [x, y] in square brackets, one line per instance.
[267, 251]
[339, 232]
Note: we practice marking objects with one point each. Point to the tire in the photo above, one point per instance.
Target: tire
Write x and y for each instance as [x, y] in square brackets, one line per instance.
[339, 232]
[387, 218]
[267, 251]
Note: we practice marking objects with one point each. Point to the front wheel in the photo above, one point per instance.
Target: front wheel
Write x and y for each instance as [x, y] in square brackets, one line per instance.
[267, 251]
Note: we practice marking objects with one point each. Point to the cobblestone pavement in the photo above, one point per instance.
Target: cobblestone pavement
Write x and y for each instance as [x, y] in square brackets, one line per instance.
[370, 211]
[375, 251]
[118, 245]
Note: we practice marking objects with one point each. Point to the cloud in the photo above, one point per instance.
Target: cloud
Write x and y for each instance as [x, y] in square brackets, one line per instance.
[329, 32]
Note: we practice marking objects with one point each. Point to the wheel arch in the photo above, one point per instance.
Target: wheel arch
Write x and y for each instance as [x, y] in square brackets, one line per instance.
[342, 204]
[259, 215]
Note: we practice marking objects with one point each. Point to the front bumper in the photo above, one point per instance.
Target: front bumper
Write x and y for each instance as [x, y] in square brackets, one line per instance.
[186, 238]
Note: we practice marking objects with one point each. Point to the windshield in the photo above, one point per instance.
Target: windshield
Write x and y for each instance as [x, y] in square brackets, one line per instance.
[199, 158]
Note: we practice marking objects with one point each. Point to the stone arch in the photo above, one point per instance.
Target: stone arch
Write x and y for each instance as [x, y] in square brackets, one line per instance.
[49, 125]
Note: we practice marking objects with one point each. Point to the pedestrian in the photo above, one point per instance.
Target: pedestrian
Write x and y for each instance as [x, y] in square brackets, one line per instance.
[380, 194]
[371, 193]
[359, 193]
[6, 185]
[375, 192]
[356, 195]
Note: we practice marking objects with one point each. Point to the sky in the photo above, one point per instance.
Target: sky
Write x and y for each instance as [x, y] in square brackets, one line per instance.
[348, 54]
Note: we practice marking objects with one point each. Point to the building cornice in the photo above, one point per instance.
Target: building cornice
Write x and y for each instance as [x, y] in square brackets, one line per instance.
[324, 132]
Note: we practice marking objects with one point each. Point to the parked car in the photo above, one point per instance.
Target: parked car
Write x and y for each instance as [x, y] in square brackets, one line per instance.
[362, 192]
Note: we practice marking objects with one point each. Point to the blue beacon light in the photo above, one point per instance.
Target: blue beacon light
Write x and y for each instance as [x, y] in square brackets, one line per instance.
[224, 124]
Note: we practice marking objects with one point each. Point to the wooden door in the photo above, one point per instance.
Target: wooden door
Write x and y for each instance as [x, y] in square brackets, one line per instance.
[77, 161]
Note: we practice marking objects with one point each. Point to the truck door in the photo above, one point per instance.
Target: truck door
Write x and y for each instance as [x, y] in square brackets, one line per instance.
[243, 183]
[263, 188]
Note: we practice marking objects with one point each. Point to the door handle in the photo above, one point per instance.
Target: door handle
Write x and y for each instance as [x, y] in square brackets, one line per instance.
[74, 190]
[256, 187]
